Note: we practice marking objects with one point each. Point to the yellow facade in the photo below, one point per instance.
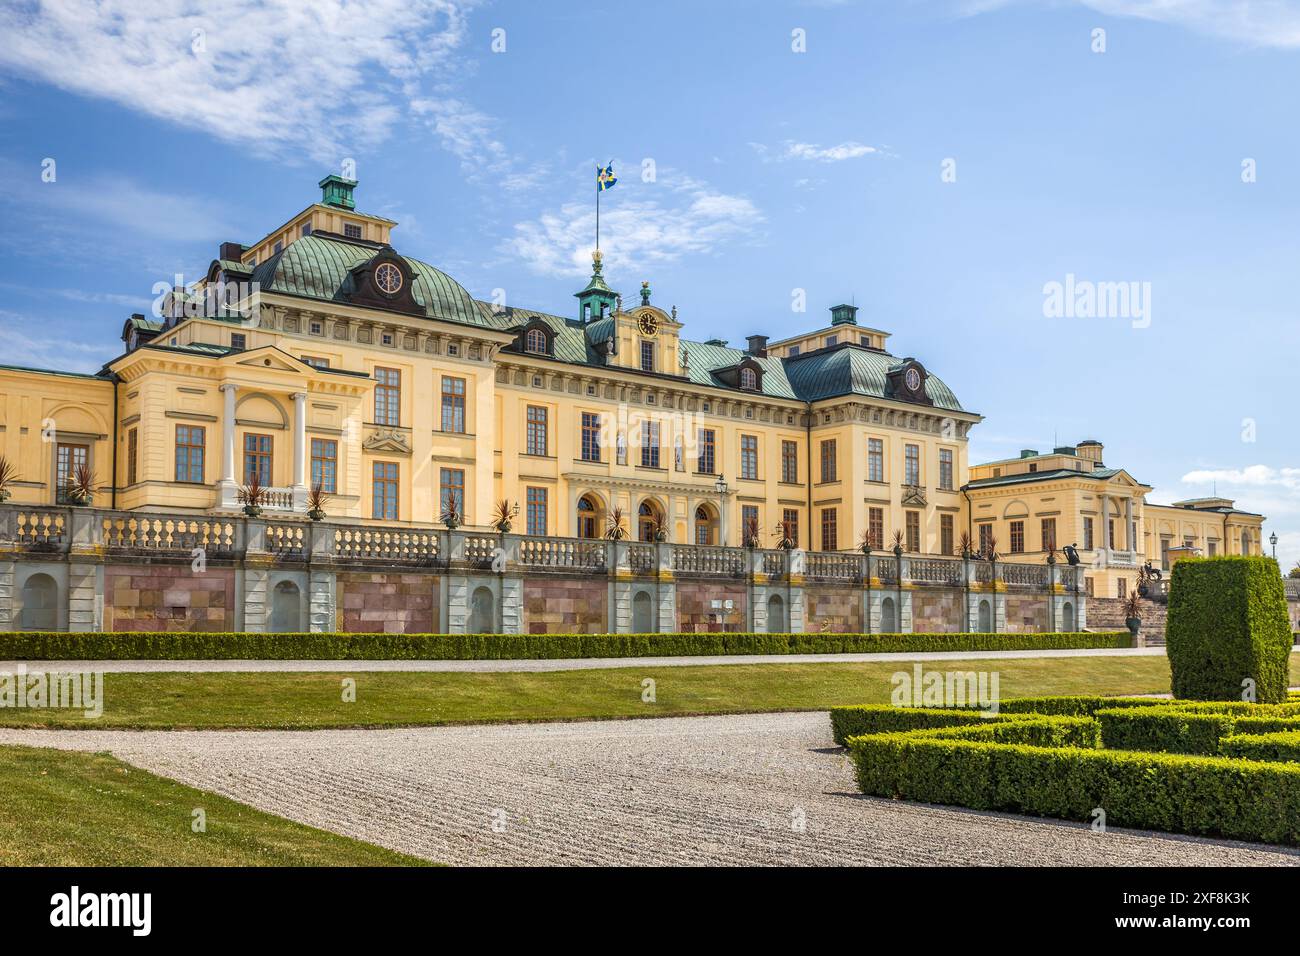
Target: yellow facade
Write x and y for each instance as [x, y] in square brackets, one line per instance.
[1069, 497]
[329, 357]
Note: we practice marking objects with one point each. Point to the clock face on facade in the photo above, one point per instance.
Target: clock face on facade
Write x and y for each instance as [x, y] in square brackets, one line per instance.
[913, 379]
[648, 324]
[388, 277]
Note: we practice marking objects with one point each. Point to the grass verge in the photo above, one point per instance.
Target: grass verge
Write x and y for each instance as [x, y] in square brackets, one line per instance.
[316, 700]
[75, 809]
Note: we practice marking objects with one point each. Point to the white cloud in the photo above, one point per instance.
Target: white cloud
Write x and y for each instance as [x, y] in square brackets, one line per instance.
[1272, 492]
[28, 342]
[640, 225]
[1253, 476]
[1259, 22]
[827, 154]
[326, 79]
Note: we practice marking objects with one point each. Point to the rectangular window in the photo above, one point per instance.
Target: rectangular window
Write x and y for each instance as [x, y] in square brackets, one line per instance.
[707, 449]
[647, 356]
[830, 540]
[832, 340]
[945, 469]
[1121, 587]
[912, 465]
[451, 491]
[325, 464]
[237, 341]
[315, 361]
[945, 534]
[650, 444]
[352, 230]
[749, 524]
[875, 459]
[913, 533]
[384, 490]
[1049, 534]
[1087, 535]
[537, 416]
[791, 518]
[748, 456]
[986, 539]
[388, 396]
[257, 458]
[453, 405]
[1110, 534]
[132, 456]
[876, 527]
[590, 436]
[1017, 537]
[537, 511]
[828, 460]
[190, 440]
[790, 461]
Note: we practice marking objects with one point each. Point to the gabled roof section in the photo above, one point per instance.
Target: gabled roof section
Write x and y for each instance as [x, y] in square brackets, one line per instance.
[1101, 474]
[703, 361]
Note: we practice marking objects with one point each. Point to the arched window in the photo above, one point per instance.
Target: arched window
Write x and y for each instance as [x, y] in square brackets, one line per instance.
[648, 521]
[748, 379]
[482, 612]
[40, 604]
[888, 620]
[286, 609]
[535, 341]
[705, 525]
[642, 618]
[985, 625]
[1067, 617]
[587, 515]
[776, 615]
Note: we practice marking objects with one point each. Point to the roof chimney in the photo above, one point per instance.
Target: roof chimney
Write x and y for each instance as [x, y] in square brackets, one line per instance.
[1091, 450]
[844, 315]
[337, 191]
[231, 251]
[757, 345]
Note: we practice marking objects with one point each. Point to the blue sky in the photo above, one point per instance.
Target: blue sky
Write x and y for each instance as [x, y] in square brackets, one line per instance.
[774, 171]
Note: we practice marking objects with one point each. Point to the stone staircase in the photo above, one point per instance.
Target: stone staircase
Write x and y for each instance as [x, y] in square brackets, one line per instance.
[1107, 614]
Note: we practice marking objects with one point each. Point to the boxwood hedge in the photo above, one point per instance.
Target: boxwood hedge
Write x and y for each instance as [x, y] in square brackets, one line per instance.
[1228, 624]
[1284, 745]
[1239, 799]
[174, 645]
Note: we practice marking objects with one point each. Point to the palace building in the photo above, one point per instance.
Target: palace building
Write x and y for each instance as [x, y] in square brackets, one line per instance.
[319, 355]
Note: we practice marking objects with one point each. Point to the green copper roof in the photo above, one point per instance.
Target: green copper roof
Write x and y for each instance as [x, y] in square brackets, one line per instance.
[320, 267]
[1101, 474]
[704, 359]
[850, 370]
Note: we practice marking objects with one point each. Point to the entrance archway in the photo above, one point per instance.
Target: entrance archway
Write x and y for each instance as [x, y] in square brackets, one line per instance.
[642, 613]
[482, 612]
[40, 604]
[776, 615]
[888, 619]
[286, 609]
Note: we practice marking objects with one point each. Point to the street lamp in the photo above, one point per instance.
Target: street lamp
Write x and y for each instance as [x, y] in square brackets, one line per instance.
[1272, 539]
[720, 486]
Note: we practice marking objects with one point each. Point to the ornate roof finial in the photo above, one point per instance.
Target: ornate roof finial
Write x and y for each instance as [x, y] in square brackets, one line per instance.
[674, 313]
[596, 260]
[645, 293]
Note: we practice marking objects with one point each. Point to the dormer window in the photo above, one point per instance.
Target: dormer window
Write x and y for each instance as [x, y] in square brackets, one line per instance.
[535, 341]
[748, 379]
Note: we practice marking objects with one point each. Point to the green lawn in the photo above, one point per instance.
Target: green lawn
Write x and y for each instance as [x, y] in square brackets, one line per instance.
[75, 809]
[311, 700]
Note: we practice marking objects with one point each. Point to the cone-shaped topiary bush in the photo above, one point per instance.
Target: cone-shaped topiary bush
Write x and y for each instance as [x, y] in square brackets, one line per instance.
[1228, 625]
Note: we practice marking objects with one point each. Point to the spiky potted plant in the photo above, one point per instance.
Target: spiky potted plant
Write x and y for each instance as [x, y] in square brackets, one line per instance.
[81, 486]
[615, 528]
[252, 494]
[867, 544]
[749, 533]
[451, 516]
[1133, 613]
[316, 498]
[8, 475]
[965, 546]
[898, 544]
[785, 535]
[503, 515]
[658, 530]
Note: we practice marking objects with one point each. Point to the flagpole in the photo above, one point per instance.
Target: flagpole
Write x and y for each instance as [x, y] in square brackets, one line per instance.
[597, 212]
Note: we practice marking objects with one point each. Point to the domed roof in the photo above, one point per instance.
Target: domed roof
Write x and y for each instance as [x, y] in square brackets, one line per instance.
[320, 267]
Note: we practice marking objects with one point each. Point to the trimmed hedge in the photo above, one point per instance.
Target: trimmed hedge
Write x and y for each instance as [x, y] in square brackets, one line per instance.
[1191, 728]
[1239, 799]
[1076, 705]
[1033, 731]
[854, 721]
[1228, 622]
[1283, 746]
[176, 645]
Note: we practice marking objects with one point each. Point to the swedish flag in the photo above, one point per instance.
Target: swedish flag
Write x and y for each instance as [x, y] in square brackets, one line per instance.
[605, 177]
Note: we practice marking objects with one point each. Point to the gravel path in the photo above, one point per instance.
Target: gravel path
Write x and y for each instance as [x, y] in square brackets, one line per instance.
[698, 790]
[575, 664]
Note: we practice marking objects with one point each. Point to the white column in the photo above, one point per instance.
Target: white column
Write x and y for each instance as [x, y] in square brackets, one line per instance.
[299, 439]
[1130, 532]
[228, 435]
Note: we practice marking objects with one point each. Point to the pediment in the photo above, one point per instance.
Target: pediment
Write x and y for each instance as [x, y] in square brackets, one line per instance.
[390, 440]
[270, 358]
